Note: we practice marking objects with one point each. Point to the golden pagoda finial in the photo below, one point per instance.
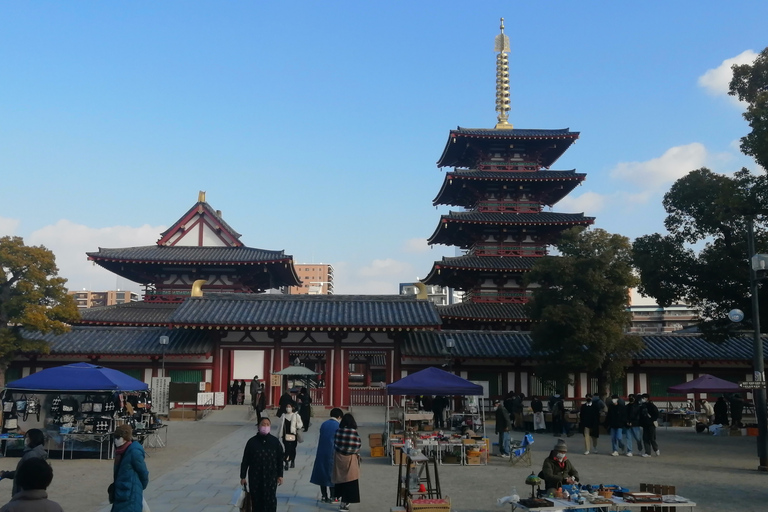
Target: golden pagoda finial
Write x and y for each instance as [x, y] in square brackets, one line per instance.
[502, 80]
[201, 196]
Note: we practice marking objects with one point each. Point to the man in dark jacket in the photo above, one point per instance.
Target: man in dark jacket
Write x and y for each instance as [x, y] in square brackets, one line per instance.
[559, 420]
[649, 414]
[589, 422]
[557, 470]
[263, 465]
[721, 411]
[539, 425]
[438, 409]
[632, 430]
[616, 422]
[503, 425]
[737, 409]
[517, 411]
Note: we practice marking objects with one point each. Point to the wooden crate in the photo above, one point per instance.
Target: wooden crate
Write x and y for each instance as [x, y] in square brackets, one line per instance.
[429, 505]
[375, 440]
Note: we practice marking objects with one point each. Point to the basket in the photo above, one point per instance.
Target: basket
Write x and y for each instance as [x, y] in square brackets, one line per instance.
[606, 494]
[429, 505]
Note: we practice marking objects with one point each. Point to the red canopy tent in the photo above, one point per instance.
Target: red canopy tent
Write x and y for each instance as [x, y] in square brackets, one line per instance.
[705, 384]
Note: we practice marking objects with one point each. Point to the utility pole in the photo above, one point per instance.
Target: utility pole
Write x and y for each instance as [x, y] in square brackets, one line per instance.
[758, 362]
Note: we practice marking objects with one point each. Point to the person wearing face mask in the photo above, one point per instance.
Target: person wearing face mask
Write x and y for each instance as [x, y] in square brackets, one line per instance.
[322, 470]
[33, 448]
[649, 414]
[288, 432]
[131, 475]
[263, 465]
[557, 469]
[616, 422]
[589, 422]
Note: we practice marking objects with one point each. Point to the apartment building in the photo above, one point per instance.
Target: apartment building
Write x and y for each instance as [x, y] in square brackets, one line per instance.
[316, 279]
[89, 299]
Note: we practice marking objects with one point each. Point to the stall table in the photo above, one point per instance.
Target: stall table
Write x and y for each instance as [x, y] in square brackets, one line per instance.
[82, 437]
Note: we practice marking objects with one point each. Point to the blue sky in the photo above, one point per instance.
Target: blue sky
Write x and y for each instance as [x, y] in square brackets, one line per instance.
[315, 126]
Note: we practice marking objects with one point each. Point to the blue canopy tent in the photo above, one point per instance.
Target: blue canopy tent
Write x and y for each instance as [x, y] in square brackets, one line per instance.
[434, 381]
[77, 378]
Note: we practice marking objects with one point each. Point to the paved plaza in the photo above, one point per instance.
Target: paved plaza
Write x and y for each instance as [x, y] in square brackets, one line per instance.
[716, 472]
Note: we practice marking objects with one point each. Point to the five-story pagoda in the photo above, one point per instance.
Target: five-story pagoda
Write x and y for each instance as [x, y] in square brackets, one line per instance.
[501, 178]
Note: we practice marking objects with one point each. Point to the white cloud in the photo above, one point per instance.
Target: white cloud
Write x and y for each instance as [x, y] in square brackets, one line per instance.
[588, 203]
[69, 243]
[652, 174]
[716, 81]
[8, 226]
[384, 268]
[416, 245]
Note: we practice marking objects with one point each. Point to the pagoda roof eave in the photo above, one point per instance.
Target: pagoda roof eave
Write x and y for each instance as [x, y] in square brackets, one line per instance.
[456, 156]
[195, 209]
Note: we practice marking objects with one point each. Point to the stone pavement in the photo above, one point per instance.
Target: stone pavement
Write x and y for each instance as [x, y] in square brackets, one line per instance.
[718, 473]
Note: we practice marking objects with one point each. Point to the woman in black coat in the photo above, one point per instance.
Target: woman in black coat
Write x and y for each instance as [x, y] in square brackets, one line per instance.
[721, 411]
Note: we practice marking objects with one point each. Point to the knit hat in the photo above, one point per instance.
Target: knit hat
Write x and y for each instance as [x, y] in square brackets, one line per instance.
[561, 446]
[124, 431]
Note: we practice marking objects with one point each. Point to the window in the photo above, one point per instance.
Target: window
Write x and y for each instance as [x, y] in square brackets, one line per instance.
[186, 375]
[659, 383]
[12, 374]
[136, 373]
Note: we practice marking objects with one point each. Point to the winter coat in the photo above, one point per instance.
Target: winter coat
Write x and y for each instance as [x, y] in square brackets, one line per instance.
[502, 420]
[589, 417]
[322, 471]
[262, 460]
[295, 424]
[737, 407]
[31, 501]
[131, 478]
[536, 405]
[616, 416]
[721, 411]
[648, 414]
[29, 453]
[707, 409]
[555, 473]
[633, 414]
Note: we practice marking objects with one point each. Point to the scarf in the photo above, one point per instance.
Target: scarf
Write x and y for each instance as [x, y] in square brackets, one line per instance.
[119, 451]
[347, 441]
[561, 463]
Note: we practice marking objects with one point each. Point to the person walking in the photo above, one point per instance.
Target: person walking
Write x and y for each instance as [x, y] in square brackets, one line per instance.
[34, 440]
[260, 404]
[616, 422]
[241, 393]
[559, 420]
[322, 470]
[288, 432]
[346, 462]
[263, 465]
[130, 472]
[285, 400]
[233, 387]
[649, 415]
[539, 424]
[517, 411]
[305, 411]
[589, 423]
[253, 388]
[721, 411]
[503, 424]
[34, 476]
[632, 430]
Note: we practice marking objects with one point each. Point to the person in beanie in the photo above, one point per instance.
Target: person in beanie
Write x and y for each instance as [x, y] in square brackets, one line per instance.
[557, 470]
[503, 425]
[131, 475]
[262, 464]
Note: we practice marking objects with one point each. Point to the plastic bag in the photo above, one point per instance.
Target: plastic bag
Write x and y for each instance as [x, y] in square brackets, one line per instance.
[144, 506]
[238, 497]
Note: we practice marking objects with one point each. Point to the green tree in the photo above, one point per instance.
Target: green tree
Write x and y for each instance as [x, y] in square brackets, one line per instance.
[750, 84]
[702, 260]
[579, 307]
[32, 299]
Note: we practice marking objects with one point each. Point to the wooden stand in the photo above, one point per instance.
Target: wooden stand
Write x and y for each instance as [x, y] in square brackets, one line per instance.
[419, 463]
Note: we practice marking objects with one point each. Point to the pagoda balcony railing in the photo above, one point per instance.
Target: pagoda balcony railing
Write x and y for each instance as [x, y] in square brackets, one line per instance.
[508, 166]
[489, 249]
[513, 297]
[509, 206]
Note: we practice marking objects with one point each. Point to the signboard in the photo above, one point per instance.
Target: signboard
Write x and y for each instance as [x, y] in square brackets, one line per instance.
[208, 398]
[160, 397]
[276, 381]
[752, 384]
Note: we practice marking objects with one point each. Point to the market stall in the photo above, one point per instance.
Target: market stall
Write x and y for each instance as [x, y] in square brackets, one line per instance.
[687, 416]
[78, 406]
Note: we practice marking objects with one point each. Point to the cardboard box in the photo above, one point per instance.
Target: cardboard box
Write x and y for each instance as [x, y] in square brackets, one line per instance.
[427, 427]
[398, 457]
[473, 461]
[375, 440]
[377, 451]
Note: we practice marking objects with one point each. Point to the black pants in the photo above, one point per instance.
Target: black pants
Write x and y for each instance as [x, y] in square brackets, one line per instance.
[649, 438]
[290, 450]
[439, 422]
[305, 414]
[324, 492]
[263, 495]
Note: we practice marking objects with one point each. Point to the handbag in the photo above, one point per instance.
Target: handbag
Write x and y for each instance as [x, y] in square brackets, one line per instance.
[289, 437]
[87, 404]
[21, 403]
[8, 406]
[247, 505]
[299, 436]
[98, 407]
[33, 407]
[56, 406]
[111, 492]
[11, 423]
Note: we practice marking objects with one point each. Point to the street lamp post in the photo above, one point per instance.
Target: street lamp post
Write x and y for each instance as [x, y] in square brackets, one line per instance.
[757, 360]
[450, 345]
[163, 342]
